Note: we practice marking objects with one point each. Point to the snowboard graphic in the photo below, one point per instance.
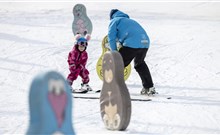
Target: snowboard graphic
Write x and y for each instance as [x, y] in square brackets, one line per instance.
[105, 48]
[81, 23]
[115, 101]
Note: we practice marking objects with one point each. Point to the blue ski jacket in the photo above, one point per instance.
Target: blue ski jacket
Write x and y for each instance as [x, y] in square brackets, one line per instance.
[127, 31]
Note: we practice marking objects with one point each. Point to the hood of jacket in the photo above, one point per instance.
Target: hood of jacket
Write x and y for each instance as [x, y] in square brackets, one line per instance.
[119, 14]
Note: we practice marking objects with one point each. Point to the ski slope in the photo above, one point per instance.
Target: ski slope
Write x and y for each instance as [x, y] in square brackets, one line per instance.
[183, 59]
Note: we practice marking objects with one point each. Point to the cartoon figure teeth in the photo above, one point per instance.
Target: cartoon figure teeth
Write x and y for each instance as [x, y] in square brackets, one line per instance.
[56, 86]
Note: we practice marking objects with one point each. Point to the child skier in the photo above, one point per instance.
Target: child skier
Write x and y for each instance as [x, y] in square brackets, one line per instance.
[77, 59]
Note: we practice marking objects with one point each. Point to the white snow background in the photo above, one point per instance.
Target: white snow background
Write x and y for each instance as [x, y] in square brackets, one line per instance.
[184, 60]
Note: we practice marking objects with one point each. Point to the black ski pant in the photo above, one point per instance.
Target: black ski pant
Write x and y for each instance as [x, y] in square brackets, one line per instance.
[138, 54]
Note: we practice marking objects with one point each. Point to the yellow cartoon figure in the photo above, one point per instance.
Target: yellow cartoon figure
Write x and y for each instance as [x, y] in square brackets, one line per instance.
[105, 48]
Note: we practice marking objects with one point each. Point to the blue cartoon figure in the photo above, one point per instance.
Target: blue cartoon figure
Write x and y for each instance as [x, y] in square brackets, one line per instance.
[81, 23]
[50, 105]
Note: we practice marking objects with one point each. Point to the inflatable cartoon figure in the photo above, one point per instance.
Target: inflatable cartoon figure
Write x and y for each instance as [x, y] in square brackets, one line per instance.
[50, 105]
[115, 102]
[81, 23]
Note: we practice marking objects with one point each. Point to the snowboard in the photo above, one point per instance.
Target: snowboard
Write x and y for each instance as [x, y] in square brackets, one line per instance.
[81, 23]
[115, 101]
[105, 48]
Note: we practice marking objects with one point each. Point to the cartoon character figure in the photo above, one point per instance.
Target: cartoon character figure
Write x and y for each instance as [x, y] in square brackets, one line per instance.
[115, 102]
[50, 105]
[81, 23]
[105, 48]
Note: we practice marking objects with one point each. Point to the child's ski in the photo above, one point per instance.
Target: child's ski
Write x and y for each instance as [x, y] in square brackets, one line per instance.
[81, 91]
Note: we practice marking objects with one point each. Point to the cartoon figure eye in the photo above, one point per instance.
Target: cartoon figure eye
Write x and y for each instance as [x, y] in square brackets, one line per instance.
[56, 87]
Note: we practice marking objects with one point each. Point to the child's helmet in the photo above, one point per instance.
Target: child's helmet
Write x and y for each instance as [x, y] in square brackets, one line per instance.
[82, 41]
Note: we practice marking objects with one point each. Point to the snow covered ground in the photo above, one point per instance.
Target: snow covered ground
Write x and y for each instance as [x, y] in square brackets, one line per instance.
[183, 58]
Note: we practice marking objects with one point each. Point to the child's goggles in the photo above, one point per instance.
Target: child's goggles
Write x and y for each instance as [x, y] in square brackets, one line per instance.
[82, 43]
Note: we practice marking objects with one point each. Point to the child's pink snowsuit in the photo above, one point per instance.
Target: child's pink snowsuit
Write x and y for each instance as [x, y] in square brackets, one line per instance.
[77, 65]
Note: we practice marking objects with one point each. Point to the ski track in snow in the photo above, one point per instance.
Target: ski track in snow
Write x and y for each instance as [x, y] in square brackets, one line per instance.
[183, 59]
